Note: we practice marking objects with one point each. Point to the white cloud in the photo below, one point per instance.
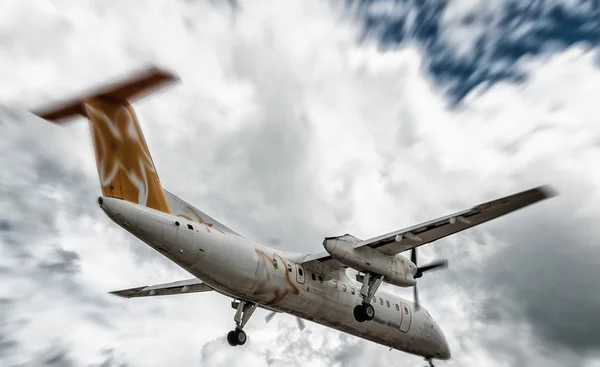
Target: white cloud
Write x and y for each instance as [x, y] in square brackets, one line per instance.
[284, 127]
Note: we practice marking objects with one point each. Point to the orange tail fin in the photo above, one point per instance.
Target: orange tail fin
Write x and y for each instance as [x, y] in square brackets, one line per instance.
[125, 167]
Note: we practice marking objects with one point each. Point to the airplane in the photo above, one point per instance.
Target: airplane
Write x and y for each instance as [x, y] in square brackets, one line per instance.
[312, 287]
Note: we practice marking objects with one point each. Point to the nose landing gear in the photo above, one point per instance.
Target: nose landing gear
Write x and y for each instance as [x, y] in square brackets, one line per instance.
[430, 362]
[242, 315]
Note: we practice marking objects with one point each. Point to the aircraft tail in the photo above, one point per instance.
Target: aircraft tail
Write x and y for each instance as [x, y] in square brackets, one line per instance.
[124, 163]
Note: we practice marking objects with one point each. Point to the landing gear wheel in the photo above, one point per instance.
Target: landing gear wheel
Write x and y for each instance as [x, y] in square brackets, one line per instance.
[359, 314]
[236, 337]
[240, 337]
[368, 311]
[231, 338]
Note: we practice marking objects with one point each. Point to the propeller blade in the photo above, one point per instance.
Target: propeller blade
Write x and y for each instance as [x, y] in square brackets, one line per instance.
[416, 297]
[301, 324]
[442, 264]
[299, 321]
[413, 255]
[270, 316]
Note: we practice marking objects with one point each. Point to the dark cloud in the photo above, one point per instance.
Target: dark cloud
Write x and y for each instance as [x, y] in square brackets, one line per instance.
[7, 343]
[61, 261]
[547, 278]
[52, 356]
[111, 360]
[5, 225]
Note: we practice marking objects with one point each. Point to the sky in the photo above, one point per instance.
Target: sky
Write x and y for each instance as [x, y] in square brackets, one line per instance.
[296, 121]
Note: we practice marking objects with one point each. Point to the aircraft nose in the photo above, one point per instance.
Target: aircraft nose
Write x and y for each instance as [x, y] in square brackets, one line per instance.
[443, 348]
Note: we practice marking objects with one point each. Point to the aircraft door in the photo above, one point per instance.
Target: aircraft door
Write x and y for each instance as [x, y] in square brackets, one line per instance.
[300, 274]
[406, 318]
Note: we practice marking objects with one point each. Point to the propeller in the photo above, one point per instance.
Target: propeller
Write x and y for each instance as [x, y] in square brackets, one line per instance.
[299, 321]
[434, 265]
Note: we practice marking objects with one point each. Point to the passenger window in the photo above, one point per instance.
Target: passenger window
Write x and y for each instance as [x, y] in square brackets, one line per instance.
[387, 303]
[344, 287]
[406, 310]
[381, 301]
[313, 276]
[397, 308]
[289, 268]
[190, 226]
[320, 279]
[275, 263]
[352, 290]
[335, 284]
[300, 272]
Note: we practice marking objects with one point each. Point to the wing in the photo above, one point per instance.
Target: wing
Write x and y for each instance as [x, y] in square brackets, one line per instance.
[322, 261]
[180, 287]
[415, 236]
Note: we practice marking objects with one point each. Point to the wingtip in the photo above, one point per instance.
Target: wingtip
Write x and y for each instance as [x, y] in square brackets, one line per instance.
[548, 191]
[117, 294]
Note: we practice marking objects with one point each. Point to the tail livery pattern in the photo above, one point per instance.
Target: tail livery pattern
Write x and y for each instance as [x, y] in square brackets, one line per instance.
[125, 167]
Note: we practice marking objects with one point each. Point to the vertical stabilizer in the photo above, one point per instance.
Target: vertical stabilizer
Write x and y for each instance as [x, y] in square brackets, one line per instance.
[125, 166]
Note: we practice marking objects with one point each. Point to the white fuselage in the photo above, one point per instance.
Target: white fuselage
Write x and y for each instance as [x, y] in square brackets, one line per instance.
[245, 270]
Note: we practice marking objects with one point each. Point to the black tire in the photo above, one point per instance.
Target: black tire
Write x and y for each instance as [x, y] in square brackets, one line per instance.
[231, 338]
[359, 314]
[368, 312]
[240, 337]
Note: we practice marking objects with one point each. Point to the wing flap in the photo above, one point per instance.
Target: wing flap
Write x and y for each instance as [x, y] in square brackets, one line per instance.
[180, 287]
[436, 229]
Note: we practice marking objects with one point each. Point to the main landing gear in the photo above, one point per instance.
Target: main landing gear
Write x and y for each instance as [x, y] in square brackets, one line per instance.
[370, 284]
[242, 315]
[430, 362]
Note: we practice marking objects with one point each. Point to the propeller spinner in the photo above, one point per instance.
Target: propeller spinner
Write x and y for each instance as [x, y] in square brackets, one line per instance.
[434, 265]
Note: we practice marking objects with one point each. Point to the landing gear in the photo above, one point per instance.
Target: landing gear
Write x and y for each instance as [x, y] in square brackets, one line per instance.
[364, 312]
[370, 284]
[236, 337]
[430, 362]
[242, 315]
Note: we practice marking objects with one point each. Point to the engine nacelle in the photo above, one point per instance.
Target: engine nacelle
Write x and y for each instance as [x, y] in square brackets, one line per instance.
[397, 270]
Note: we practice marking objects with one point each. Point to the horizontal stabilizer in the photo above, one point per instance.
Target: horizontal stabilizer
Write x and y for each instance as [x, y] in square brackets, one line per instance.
[179, 287]
[126, 90]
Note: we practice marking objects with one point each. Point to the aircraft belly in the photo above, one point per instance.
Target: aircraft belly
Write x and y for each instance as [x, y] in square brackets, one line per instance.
[321, 304]
[227, 264]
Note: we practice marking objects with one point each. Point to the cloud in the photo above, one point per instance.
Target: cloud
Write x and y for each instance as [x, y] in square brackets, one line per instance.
[290, 126]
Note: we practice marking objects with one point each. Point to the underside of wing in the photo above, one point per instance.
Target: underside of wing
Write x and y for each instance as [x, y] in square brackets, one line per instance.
[179, 287]
[320, 261]
[411, 237]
